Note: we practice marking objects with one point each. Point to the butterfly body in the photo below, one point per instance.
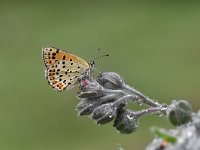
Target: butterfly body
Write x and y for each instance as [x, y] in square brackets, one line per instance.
[63, 69]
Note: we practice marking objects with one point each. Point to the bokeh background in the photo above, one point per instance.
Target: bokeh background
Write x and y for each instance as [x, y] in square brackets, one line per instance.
[154, 45]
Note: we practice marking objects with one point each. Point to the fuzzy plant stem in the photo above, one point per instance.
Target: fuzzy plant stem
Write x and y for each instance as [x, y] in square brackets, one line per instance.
[149, 111]
[144, 98]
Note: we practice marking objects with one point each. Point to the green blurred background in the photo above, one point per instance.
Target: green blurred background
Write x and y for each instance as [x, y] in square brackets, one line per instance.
[154, 45]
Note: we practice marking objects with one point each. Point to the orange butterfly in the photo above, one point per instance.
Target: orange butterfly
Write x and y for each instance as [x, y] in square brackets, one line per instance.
[63, 69]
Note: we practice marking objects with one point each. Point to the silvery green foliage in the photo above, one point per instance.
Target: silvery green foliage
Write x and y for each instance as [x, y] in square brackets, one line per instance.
[106, 98]
[187, 137]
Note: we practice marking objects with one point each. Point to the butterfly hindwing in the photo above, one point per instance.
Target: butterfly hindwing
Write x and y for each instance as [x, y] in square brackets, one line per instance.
[64, 74]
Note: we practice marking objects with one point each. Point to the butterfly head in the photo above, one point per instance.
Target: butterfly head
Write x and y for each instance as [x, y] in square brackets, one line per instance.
[92, 64]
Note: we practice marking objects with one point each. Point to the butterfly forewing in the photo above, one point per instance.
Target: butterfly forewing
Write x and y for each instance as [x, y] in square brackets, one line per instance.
[63, 70]
[52, 54]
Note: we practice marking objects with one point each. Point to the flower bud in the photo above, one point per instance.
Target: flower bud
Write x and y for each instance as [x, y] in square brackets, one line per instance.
[179, 112]
[126, 121]
[92, 95]
[85, 107]
[104, 113]
[89, 89]
[110, 80]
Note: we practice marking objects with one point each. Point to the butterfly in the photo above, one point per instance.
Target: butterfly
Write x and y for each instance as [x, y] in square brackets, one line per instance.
[63, 69]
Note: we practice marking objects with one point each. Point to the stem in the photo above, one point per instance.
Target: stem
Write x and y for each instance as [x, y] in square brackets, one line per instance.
[145, 99]
[149, 110]
[125, 98]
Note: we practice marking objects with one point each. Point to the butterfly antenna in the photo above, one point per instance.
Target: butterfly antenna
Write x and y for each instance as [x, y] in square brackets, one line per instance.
[100, 56]
[95, 52]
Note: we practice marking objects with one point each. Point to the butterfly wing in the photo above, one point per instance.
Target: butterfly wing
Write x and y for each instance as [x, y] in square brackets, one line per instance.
[63, 70]
[52, 54]
[61, 76]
